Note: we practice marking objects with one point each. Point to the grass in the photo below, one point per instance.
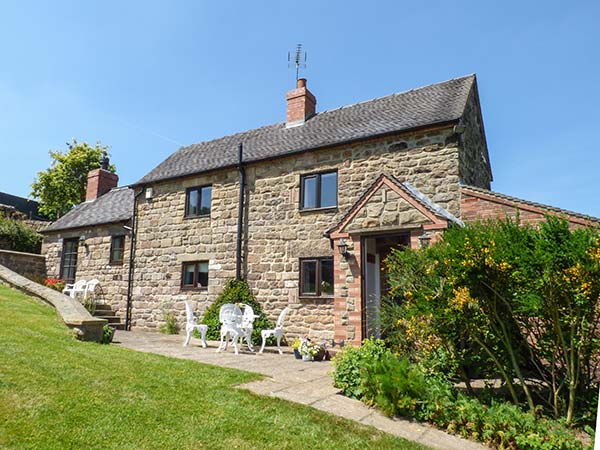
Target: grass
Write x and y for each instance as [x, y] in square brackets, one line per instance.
[56, 392]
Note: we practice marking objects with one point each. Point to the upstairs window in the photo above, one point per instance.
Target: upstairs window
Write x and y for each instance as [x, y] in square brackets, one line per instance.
[197, 201]
[194, 275]
[117, 247]
[316, 277]
[318, 190]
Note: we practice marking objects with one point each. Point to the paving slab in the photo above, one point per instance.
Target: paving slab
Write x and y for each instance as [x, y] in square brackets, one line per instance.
[307, 383]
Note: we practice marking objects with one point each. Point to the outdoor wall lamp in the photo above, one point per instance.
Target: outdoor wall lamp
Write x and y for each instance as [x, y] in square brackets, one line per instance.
[343, 248]
[424, 239]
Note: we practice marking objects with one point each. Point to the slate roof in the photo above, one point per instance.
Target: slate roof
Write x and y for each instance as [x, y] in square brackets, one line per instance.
[114, 206]
[509, 198]
[21, 204]
[430, 105]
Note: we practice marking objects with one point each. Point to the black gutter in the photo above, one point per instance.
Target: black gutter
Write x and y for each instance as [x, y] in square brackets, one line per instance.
[131, 259]
[240, 224]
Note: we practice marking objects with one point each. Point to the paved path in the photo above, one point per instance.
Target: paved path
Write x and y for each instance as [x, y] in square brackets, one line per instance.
[294, 380]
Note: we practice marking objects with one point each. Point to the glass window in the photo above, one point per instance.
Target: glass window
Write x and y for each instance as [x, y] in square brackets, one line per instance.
[309, 193]
[309, 277]
[205, 199]
[117, 246]
[318, 190]
[328, 189]
[197, 201]
[203, 274]
[316, 277]
[195, 275]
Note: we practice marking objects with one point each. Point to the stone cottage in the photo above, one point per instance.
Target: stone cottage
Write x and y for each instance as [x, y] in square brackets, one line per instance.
[305, 210]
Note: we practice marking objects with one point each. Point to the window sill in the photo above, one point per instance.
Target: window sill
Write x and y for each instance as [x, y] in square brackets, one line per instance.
[115, 263]
[194, 289]
[203, 216]
[318, 210]
[314, 297]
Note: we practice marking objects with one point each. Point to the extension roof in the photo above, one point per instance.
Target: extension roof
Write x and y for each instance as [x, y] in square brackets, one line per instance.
[23, 205]
[431, 105]
[526, 204]
[113, 207]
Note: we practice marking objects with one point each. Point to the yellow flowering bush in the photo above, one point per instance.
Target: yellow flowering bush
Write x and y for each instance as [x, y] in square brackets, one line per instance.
[503, 300]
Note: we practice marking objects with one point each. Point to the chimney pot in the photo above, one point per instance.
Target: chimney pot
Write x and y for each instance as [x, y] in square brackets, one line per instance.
[301, 82]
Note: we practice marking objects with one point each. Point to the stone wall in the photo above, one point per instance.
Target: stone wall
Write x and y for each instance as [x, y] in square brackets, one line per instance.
[476, 205]
[474, 166]
[93, 261]
[276, 232]
[29, 265]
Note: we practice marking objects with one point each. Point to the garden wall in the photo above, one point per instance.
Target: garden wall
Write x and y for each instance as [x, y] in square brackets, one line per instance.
[29, 265]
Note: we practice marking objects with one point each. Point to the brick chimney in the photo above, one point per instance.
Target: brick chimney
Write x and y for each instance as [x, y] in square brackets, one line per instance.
[300, 104]
[100, 181]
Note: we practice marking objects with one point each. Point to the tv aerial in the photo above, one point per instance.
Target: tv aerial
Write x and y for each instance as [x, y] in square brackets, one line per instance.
[297, 59]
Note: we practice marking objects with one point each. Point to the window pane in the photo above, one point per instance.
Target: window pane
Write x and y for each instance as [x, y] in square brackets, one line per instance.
[192, 203]
[188, 274]
[203, 274]
[328, 189]
[205, 200]
[309, 192]
[309, 277]
[327, 277]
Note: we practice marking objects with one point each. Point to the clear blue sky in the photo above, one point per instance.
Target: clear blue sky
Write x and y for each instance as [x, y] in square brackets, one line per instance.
[147, 77]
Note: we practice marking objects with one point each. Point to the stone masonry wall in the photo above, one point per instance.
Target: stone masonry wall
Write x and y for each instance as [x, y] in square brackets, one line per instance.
[93, 262]
[29, 265]
[474, 168]
[276, 232]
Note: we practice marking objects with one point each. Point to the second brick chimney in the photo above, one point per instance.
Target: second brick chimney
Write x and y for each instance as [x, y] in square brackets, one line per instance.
[100, 181]
[301, 104]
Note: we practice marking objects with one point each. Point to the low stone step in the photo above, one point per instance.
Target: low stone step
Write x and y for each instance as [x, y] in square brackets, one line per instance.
[103, 307]
[117, 326]
[110, 319]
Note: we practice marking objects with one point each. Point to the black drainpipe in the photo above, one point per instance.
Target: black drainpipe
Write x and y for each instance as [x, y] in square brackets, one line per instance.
[131, 258]
[240, 224]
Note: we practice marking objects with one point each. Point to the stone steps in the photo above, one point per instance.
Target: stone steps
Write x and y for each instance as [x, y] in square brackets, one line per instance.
[104, 311]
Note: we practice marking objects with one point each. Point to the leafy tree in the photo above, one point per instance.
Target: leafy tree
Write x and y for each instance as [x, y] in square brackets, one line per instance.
[63, 184]
[515, 302]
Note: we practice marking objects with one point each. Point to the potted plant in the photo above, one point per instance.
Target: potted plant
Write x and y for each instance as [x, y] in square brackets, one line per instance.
[296, 346]
[309, 349]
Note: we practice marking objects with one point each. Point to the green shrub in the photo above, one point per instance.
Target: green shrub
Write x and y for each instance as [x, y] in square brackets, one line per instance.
[398, 387]
[19, 237]
[504, 300]
[108, 333]
[170, 326]
[237, 291]
[350, 361]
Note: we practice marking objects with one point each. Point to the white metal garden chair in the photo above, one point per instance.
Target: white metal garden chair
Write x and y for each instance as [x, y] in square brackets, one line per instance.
[75, 288]
[230, 316]
[277, 332]
[247, 326]
[191, 325]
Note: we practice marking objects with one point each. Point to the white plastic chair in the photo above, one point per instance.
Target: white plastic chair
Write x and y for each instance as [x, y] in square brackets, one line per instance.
[73, 289]
[277, 332]
[247, 326]
[230, 316]
[191, 325]
[90, 287]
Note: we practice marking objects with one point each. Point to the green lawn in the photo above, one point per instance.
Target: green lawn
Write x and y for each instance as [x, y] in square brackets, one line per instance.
[58, 393]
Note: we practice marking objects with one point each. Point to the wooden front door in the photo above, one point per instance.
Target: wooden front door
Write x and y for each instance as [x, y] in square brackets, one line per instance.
[68, 264]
